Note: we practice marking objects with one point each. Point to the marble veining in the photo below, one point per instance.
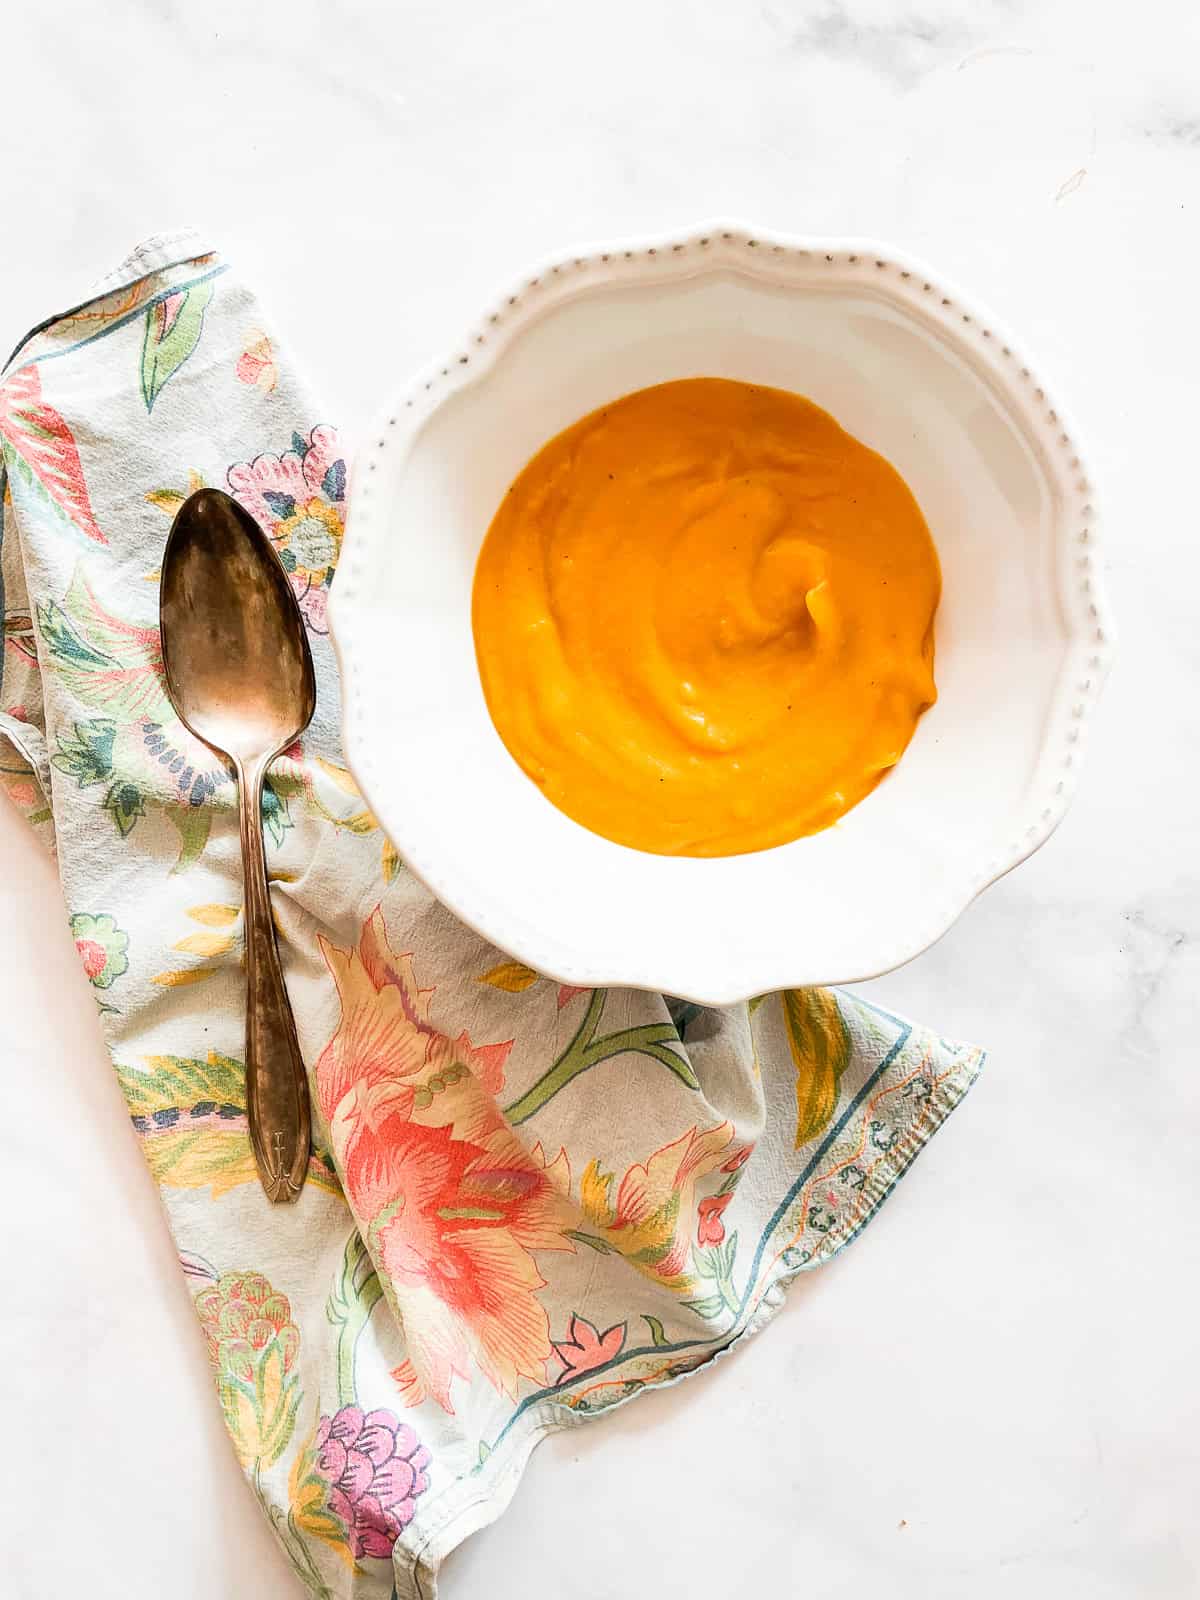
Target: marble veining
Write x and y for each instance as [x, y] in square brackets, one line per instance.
[899, 46]
[1176, 128]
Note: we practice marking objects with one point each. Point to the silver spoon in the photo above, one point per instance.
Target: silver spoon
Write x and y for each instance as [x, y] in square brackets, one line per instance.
[240, 676]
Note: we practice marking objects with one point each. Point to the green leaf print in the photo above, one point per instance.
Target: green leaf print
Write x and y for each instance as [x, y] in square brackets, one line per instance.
[276, 1400]
[657, 1334]
[716, 1263]
[820, 1045]
[61, 639]
[353, 1298]
[172, 1081]
[193, 823]
[109, 664]
[253, 1346]
[707, 1308]
[600, 1246]
[707, 1263]
[585, 1051]
[125, 805]
[191, 1115]
[102, 948]
[276, 818]
[86, 753]
[173, 328]
[308, 1515]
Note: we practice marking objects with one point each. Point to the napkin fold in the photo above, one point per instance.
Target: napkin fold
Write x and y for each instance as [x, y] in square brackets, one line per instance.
[527, 1203]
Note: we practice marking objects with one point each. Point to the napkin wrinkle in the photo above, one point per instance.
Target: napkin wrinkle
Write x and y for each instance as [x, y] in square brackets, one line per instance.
[528, 1202]
[168, 248]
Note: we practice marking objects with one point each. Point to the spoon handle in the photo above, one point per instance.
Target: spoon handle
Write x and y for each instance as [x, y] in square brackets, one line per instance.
[276, 1084]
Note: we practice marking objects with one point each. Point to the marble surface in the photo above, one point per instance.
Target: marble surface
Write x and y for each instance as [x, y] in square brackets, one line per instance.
[994, 1394]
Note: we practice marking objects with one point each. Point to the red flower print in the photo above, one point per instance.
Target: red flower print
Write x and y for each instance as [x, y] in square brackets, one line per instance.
[456, 1245]
[94, 956]
[256, 364]
[650, 1220]
[738, 1159]
[584, 1349]
[453, 1204]
[41, 437]
[710, 1229]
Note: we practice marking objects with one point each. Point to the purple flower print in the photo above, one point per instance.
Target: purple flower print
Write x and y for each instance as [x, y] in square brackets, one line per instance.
[375, 1468]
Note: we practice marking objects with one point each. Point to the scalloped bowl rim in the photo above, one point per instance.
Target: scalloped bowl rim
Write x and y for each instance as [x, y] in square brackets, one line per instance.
[1088, 647]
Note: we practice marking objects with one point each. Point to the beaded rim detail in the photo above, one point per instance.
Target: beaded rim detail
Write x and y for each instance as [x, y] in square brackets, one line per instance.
[774, 258]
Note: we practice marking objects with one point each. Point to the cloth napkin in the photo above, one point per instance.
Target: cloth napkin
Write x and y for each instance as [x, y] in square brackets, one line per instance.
[527, 1203]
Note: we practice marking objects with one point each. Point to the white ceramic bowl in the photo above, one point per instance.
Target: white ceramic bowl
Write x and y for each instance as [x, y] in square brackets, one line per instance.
[1023, 640]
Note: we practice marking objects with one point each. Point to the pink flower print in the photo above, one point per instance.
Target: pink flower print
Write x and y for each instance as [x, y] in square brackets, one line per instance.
[298, 498]
[324, 468]
[567, 993]
[256, 364]
[281, 478]
[312, 468]
[166, 312]
[313, 603]
[375, 1468]
[710, 1229]
[738, 1159]
[585, 1348]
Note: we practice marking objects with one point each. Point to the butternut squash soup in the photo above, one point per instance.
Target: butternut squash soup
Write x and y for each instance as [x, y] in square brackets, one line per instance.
[703, 618]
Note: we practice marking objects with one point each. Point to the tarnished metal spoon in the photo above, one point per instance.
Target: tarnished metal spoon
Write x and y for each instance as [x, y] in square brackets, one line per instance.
[240, 675]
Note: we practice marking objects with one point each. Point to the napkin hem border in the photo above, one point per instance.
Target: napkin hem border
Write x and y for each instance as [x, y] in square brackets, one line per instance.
[155, 253]
[419, 1565]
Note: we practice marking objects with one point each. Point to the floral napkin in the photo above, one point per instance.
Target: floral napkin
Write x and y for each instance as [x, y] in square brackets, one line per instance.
[527, 1203]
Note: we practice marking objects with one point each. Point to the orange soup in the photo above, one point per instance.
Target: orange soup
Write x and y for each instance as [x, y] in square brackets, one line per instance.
[703, 618]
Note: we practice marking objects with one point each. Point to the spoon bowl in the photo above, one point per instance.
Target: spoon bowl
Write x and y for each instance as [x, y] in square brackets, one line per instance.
[240, 676]
[238, 664]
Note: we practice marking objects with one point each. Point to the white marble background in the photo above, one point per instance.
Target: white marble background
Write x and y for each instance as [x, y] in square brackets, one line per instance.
[995, 1393]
